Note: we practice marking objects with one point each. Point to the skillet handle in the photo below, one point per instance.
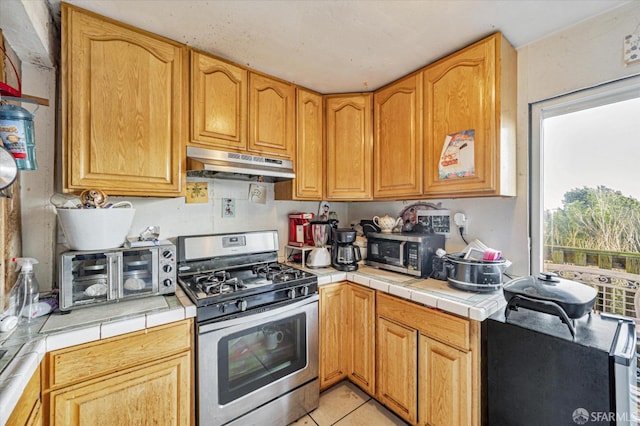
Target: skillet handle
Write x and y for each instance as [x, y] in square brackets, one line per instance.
[544, 306]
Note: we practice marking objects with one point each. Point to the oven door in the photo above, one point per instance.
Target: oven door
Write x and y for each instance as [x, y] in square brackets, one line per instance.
[248, 361]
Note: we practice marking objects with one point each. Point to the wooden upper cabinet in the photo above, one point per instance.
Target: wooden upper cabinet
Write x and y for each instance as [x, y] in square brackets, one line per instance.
[271, 116]
[218, 103]
[470, 104]
[309, 153]
[124, 107]
[398, 112]
[349, 146]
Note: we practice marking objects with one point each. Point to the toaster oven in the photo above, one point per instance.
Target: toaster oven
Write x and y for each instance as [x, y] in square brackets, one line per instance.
[87, 278]
[407, 253]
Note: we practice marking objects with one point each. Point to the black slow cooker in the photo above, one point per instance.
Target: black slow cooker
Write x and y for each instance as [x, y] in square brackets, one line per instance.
[474, 275]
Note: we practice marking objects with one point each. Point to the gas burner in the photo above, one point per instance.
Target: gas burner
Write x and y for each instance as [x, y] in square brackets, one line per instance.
[287, 275]
[219, 282]
[267, 270]
[213, 277]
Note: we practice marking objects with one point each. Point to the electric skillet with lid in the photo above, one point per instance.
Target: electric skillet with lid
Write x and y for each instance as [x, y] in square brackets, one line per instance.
[550, 294]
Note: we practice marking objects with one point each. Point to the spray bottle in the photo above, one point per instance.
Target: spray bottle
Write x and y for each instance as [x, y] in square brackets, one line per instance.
[23, 299]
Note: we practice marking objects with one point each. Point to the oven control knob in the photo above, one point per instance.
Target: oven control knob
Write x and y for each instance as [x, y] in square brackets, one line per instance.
[167, 282]
[291, 293]
[304, 290]
[221, 308]
[242, 305]
[167, 254]
[167, 268]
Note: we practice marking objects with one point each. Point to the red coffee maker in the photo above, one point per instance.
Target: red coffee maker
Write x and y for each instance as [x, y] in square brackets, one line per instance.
[300, 230]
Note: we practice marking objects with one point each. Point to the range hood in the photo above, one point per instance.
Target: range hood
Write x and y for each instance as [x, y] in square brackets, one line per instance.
[210, 163]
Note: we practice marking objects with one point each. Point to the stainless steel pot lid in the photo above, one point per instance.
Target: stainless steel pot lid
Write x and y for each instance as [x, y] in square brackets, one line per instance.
[548, 286]
[8, 168]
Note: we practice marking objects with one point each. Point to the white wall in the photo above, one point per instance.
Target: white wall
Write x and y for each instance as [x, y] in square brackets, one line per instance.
[585, 55]
[36, 187]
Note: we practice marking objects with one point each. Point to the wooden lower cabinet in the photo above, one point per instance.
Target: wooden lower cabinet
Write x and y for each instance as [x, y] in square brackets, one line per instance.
[332, 334]
[347, 335]
[444, 378]
[143, 377]
[421, 363]
[361, 320]
[28, 410]
[428, 364]
[150, 394]
[397, 367]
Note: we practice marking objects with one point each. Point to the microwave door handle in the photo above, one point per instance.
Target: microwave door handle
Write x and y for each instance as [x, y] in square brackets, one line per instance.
[402, 247]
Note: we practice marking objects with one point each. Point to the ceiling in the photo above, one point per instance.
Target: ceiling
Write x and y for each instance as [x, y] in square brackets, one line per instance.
[335, 46]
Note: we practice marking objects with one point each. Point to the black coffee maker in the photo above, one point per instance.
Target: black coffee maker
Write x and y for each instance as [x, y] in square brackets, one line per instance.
[344, 255]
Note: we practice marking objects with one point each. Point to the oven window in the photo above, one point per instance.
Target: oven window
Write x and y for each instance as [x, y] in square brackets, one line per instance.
[90, 278]
[137, 272]
[255, 357]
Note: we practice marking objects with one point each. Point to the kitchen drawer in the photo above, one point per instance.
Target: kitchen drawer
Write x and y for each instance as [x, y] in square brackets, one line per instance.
[83, 362]
[438, 325]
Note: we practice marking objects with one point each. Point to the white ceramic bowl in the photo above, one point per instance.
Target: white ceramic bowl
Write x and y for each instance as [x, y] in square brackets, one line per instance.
[95, 229]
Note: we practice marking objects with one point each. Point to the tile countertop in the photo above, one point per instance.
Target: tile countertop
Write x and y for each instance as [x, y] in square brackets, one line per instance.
[25, 346]
[429, 292]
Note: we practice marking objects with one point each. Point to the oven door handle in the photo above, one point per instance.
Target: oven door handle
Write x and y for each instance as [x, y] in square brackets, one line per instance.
[268, 314]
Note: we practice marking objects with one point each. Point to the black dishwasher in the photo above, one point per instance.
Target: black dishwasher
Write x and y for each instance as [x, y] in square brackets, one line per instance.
[535, 373]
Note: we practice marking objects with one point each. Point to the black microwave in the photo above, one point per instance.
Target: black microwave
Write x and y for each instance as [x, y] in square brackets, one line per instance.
[407, 253]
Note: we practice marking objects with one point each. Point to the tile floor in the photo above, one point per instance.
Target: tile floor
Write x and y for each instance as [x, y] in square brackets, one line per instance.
[345, 404]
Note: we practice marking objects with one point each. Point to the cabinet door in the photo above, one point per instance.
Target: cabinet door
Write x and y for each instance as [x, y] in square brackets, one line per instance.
[349, 147]
[445, 384]
[28, 408]
[361, 328]
[309, 153]
[309, 179]
[271, 116]
[462, 123]
[218, 103]
[157, 393]
[332, 335]
[397, 368]
[398, 142]
[124, 108]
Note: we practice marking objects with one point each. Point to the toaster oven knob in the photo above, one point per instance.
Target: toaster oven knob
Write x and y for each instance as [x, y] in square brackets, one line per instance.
[167, 268]
[167, 254]
[291, 293]
[242, 305]
[167, 282]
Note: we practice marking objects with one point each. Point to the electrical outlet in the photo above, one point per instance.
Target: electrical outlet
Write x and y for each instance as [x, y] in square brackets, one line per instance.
[461, 220]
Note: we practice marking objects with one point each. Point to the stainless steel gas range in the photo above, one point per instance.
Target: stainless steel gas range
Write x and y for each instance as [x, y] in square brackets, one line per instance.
[256, 329]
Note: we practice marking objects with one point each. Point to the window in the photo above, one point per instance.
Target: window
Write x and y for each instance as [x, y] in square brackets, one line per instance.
[585, 190]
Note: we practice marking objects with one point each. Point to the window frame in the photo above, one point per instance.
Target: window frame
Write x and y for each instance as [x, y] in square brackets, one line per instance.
[603, 94]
